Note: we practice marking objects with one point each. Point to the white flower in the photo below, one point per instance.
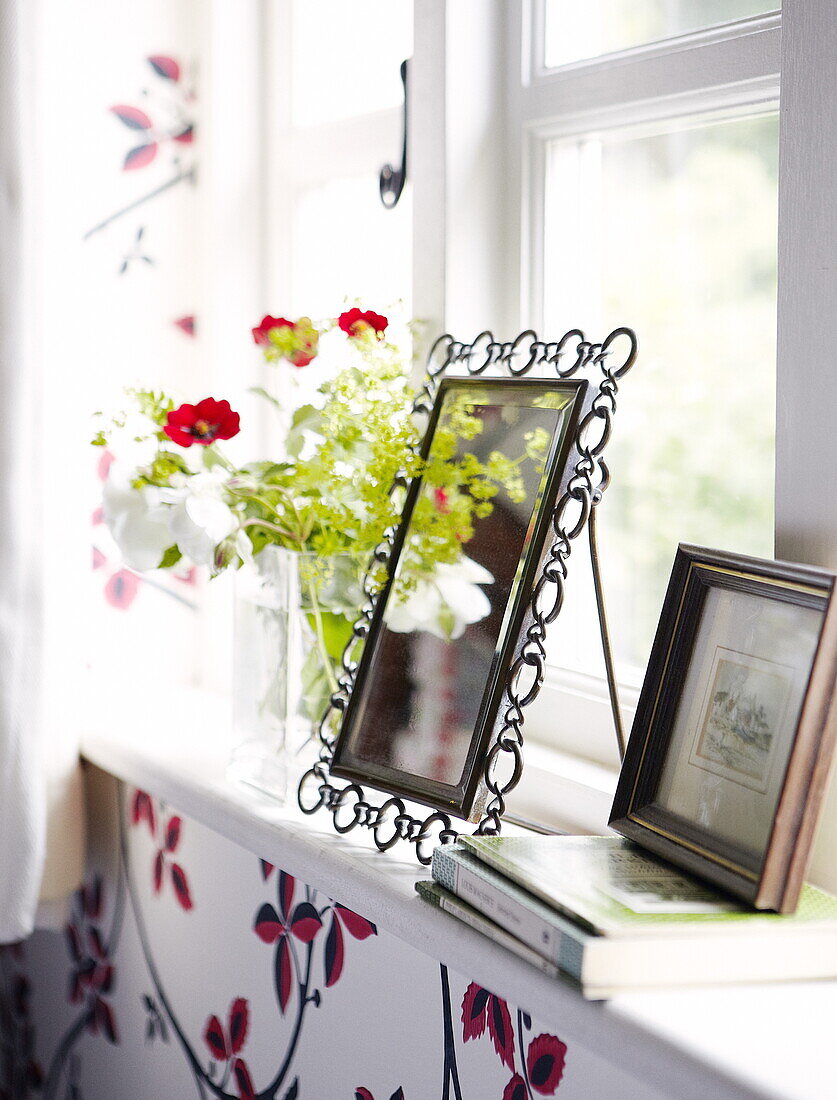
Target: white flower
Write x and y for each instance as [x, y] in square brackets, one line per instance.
[137, 520]
[446, 604]
[199, 519]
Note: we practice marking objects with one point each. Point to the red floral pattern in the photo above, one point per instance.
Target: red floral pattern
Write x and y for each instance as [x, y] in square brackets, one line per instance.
[152, 138]
[302, 927]
[121, 588]
[481, 1008]
[362, 1093]
[143, 809]
[515, 1089]
[545, 1063]
[21, 1074]
[226, 1043]
[545, 1055]
[92, 976]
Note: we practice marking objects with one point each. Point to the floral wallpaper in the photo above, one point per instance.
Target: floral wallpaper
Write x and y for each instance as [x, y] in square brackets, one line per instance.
[160, 133]
[190, 967]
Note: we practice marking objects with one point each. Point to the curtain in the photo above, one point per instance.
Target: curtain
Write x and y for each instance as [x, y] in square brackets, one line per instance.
[39, 788]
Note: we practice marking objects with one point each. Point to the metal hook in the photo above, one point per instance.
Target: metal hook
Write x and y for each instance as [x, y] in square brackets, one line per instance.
[391, 180]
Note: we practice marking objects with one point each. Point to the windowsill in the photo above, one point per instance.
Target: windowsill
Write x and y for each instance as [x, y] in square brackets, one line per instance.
[763, 1040]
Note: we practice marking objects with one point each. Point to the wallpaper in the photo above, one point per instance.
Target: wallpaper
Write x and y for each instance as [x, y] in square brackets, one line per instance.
[190, 967]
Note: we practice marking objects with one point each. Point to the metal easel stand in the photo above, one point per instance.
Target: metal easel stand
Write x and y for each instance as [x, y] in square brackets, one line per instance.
[601, 608]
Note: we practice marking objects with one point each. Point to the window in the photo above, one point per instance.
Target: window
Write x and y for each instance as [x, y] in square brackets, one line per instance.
[334, 119]
[665, 118]
[626, 174]
[618, 166]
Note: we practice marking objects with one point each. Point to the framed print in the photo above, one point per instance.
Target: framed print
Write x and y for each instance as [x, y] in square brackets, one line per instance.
[427, 697]
[734, 731]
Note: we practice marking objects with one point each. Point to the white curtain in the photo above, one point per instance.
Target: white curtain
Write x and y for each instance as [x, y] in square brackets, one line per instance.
[39, 784]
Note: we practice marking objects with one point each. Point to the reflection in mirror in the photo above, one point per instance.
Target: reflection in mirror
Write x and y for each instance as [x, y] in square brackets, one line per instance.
[432, 675]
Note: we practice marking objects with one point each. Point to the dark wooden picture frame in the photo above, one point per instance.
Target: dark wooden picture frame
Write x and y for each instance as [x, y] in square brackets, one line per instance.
[739, 736]
[464, 795]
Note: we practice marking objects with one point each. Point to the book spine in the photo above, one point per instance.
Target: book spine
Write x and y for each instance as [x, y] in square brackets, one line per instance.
[485, 893]
[483, 925]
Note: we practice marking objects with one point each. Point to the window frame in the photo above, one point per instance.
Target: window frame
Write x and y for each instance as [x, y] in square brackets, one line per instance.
[481, 110]
[729, 68]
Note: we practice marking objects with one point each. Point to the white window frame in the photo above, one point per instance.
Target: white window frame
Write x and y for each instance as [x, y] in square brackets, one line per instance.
[479, 199]
[478, 130]
[711, 73]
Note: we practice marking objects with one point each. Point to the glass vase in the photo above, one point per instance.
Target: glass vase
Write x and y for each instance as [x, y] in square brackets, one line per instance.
[293, 615]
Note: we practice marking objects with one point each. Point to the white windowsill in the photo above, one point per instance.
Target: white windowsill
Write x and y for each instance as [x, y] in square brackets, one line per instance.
[766, 1041]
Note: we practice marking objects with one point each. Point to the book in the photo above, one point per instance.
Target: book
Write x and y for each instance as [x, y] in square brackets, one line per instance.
[440, 897]
[613, 919]
[609, 886]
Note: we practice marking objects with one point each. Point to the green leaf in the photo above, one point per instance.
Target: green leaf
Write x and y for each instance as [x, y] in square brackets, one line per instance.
[337, 630]
[305, 416]
[260, 391]
[171, 557]
[211, 458]
[305, 419]
[315, 686]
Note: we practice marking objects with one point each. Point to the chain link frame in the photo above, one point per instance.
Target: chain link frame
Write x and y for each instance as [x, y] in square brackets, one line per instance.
[391, 821]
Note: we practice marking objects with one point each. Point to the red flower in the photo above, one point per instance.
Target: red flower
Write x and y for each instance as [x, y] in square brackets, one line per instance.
[355, 322]
[260, 333]
[440, 497]
[295, 341]
[545, 1063]
[202, 423]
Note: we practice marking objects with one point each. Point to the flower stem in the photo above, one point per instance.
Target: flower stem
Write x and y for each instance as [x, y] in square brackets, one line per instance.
[325, 656]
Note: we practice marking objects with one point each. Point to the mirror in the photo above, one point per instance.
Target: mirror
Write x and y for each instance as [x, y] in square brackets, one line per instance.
[450, 620]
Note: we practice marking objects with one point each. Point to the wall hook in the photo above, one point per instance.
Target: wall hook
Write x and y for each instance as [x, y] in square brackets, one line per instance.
[391, 180]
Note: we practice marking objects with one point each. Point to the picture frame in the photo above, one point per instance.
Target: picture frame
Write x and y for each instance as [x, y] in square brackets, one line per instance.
[392, 735]
[734, 732]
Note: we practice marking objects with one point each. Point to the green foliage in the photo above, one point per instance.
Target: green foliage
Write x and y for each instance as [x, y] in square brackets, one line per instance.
[171, 557]
[333, 494]
[156, 405]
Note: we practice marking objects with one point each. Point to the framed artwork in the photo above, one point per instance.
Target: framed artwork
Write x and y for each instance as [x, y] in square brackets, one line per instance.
[734, 731]
[426, 701]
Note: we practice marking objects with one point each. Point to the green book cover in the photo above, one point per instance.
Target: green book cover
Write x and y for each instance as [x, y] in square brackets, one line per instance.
[610, 887]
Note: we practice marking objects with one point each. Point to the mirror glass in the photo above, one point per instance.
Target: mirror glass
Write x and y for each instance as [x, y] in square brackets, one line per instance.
[431, 677]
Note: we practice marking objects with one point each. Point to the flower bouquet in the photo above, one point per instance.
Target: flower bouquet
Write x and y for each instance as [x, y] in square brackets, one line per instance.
[302, 527]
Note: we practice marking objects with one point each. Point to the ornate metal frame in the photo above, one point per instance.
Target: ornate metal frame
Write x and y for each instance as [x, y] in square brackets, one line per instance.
[391, 821]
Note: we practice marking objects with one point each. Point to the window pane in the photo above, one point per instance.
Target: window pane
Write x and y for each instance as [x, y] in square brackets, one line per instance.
[346, 243]
[347, 57]
[575, 31]
[674, 235]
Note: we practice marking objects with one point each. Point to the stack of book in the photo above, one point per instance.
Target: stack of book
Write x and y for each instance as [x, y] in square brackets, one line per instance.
[613, 919]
